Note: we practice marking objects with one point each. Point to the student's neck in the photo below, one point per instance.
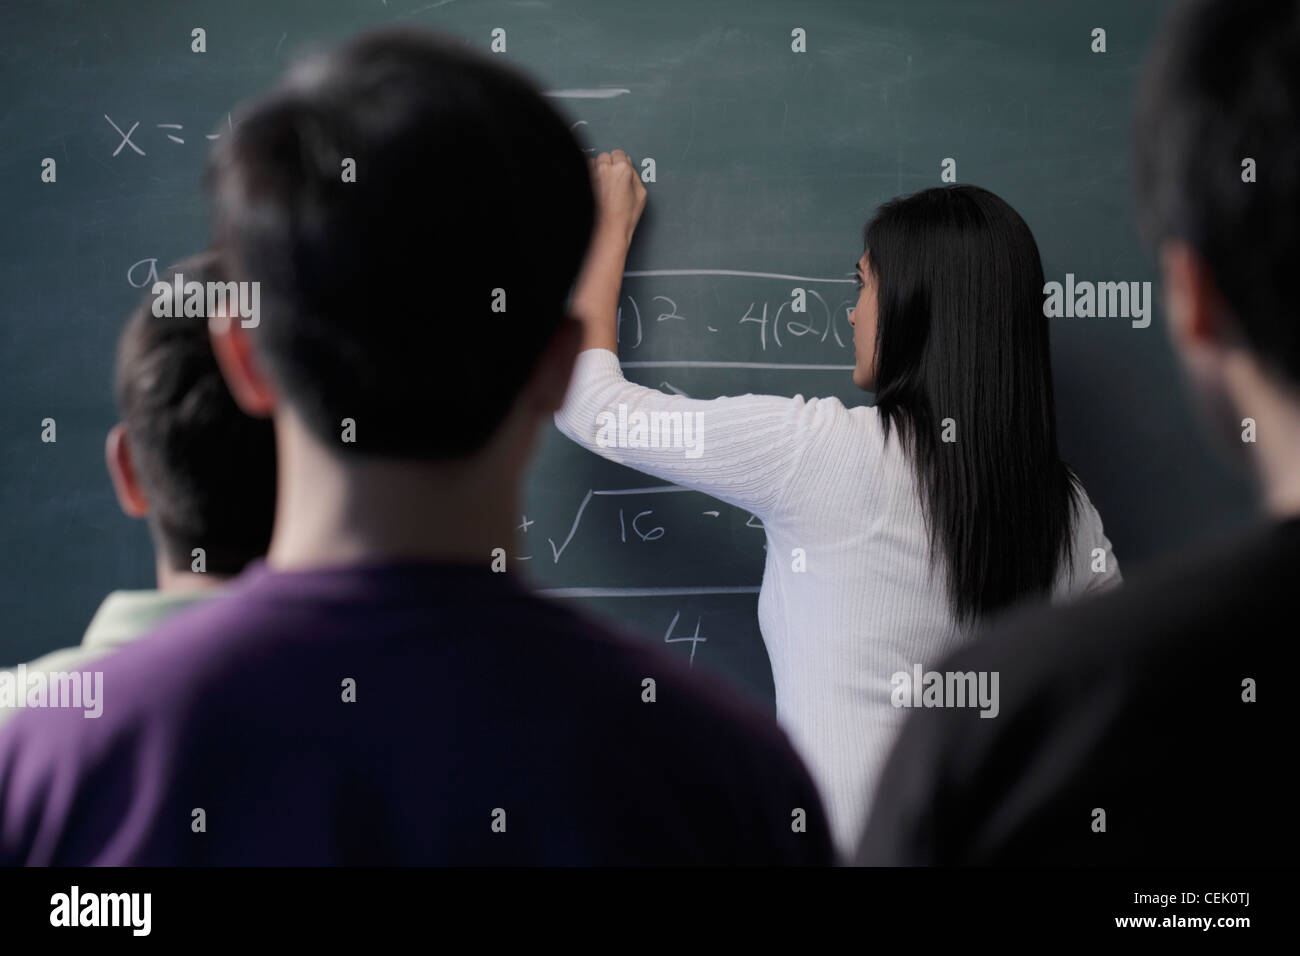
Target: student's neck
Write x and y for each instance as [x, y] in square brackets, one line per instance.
[1279, 468]
[338, 510]
[171, 581]
[1275, 410]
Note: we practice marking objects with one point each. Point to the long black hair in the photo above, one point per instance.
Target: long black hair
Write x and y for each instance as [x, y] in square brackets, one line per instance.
[964, 377]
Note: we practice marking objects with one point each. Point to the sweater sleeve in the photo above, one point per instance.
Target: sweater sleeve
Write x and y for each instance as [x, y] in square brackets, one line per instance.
[742, 450]
[1093, 565]
[1109, 578]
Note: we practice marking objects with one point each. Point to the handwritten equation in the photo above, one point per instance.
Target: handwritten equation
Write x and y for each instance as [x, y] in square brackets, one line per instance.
[795, 310]
[173, 135]
[641, 524]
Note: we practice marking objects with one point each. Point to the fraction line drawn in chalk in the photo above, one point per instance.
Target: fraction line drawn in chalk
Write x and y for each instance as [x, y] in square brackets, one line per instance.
[654, 490]
[600, 93]
[790, 366]
[411, 13]
[645, 592]
[636, 273]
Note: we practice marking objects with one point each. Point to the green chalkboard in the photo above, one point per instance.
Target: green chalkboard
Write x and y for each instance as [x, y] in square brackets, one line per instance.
[767, 163]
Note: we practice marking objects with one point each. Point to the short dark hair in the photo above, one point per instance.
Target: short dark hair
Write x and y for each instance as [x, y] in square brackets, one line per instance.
[377, 294]
[207, 468]
[1222, 86]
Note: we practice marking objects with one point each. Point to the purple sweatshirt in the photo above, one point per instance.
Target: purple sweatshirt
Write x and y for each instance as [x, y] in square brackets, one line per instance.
[410, 713]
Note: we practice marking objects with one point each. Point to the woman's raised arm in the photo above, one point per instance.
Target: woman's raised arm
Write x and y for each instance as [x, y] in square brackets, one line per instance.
[742, 449]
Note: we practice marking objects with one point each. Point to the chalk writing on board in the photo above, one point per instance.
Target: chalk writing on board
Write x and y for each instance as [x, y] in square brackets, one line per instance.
[523, 526]
[598, 93]
[695, 639]
[126, 139]
[647, 592]
[641, 524]
[573, 529]
[637, 273]
[774, 319]
[646, 533]
[585, 149]
[151, 273]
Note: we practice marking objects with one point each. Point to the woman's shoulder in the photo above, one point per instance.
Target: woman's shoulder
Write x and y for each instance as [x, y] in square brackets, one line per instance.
[1091, 564]
[1087, 517]
[817, 419]
[830, 411]
[842, 455]
[828, 426]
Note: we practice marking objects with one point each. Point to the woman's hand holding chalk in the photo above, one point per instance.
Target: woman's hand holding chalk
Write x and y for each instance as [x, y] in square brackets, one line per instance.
[620, 196]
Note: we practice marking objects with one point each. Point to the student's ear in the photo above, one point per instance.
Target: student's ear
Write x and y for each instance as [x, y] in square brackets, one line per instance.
[121, 471]
[249, 386]
[1199, 320]
[551, 379]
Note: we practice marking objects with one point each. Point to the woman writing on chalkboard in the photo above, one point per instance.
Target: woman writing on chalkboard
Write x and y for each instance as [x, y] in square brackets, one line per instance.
[893, 530]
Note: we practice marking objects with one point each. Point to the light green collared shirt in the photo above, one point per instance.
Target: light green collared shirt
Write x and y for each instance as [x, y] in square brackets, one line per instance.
[121, 618]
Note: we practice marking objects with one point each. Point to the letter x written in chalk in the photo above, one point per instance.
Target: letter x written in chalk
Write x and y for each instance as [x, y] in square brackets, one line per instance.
[126, 137]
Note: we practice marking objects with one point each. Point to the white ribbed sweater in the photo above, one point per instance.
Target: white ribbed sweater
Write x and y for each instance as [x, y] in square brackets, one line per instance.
[821, 477]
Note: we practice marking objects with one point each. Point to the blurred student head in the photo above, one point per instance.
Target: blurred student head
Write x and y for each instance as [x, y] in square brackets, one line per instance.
[415, 214]
[184, 456]
[1218, 186]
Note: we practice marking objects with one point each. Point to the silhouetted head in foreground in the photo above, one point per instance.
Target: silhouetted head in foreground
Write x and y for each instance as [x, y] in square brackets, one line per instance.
[1217, 138]
[416, 215]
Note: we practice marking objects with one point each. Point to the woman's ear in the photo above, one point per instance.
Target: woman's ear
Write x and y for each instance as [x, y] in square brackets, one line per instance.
[249, 386]
[121, 471]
